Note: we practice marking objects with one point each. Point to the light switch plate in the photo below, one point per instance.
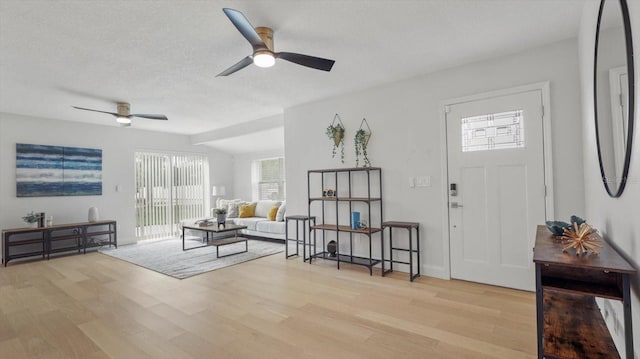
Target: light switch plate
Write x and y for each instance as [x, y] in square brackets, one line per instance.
[423, 181]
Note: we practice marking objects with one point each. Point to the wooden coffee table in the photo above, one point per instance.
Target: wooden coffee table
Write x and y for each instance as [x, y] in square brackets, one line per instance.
[218, 242]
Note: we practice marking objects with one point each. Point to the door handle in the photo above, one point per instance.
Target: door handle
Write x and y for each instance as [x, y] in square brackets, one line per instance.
[455, 205]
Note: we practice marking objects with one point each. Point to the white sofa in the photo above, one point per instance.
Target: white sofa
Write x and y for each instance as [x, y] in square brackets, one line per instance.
[259, 225]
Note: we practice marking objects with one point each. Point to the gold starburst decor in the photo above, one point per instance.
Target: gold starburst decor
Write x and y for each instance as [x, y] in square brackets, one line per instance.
[583, 238]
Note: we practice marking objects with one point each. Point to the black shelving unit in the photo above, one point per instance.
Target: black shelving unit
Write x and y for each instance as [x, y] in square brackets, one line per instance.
[342, 200]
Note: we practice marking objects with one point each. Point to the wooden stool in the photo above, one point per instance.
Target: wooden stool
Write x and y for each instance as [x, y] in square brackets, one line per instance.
[409, 226]
[298, 219]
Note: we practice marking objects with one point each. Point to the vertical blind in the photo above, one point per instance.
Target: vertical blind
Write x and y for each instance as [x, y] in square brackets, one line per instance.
[169, 188]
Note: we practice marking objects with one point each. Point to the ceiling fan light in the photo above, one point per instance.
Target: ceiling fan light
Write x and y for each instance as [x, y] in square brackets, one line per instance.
[123, 120]
[264, 59]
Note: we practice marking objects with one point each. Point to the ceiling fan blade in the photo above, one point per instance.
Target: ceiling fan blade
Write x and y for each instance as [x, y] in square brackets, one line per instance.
[246, 29]
[88, 109]
[238, 66]
[151, 117]
[317, 63]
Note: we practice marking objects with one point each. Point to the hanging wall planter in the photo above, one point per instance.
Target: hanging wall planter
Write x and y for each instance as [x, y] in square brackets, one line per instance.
[361, 141]
[335, 132]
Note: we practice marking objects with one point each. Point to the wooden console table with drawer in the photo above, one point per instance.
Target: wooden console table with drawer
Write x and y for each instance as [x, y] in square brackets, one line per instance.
[569, 322]
[42, 241]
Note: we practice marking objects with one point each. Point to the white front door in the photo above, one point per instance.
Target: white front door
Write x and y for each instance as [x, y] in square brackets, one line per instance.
[496, 164]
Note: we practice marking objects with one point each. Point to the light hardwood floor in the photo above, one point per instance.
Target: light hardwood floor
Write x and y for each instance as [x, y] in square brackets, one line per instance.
[95, 306]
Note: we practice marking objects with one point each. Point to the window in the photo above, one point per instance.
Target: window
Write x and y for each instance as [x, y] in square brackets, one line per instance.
[169, 188]
[268, 179]
[493, 132]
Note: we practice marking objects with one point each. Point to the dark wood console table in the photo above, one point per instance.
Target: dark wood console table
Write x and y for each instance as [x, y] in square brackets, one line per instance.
[569, 322]
[42, 241]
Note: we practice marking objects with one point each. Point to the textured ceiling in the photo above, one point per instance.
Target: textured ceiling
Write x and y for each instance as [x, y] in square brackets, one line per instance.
[162, 56]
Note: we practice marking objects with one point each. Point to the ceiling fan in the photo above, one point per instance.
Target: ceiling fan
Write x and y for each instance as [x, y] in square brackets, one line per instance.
[261, 39]
[123, 116]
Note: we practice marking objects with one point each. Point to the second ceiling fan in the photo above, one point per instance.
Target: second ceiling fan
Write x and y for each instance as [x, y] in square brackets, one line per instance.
[261, 39]
[123, 116]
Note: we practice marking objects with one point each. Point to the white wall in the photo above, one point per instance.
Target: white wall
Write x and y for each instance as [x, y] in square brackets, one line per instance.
[405, 121]
[118, 147]
[242, 186]
[616, 219]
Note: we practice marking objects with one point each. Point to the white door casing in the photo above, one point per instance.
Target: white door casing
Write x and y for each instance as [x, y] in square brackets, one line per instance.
[500, 193]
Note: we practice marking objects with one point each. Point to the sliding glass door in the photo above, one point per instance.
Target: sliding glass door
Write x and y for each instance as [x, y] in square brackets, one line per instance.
[169, 189]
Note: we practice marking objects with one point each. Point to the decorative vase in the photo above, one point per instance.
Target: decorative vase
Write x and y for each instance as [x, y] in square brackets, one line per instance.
[355, 220]
[220, 218]
[33, 225]
[93, 214]
[332, 248]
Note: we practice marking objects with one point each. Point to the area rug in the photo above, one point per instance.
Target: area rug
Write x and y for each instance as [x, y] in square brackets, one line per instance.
[167, 257]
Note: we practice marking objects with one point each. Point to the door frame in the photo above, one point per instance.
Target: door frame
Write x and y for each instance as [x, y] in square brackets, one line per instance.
[547, 155]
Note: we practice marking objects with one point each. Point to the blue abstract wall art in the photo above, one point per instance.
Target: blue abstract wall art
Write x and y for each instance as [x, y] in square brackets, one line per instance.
[57, 171]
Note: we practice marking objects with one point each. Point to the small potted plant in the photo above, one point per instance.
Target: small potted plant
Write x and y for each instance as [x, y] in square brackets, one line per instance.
[361, 140]
[32, 219]
[221, 214]
[335, 132]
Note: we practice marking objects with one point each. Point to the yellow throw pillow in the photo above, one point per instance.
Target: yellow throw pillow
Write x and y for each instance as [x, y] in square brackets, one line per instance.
[247, 210]
[272, 213]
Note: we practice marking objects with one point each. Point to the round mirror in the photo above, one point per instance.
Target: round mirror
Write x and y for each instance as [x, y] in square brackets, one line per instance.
[614, 94]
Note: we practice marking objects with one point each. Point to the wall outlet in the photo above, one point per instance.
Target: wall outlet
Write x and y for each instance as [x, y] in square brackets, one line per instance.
[423, 181]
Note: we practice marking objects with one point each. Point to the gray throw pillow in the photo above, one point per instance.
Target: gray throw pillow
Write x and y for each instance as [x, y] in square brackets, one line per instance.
[233, 210]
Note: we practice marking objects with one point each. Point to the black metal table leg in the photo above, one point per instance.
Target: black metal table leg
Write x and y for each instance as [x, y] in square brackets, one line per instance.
[539, 311]
[370, 260]
[410, 255]
[390, 249]
[337, 249]
[382, 250]
[628, 322]
[418, 248]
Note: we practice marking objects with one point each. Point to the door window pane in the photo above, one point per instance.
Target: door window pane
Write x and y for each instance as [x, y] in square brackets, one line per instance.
[494, 131]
